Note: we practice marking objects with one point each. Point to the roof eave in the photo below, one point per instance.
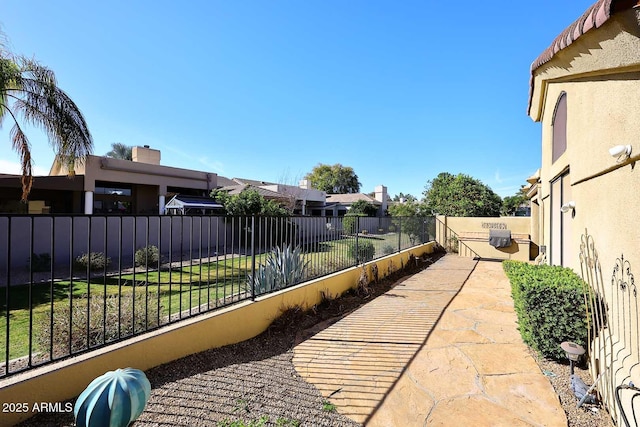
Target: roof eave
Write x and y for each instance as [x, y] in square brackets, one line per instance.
[594, 17]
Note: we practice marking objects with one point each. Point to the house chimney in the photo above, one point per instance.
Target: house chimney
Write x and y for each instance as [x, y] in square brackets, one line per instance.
[381, 196]
[145, 155]
[305, 184]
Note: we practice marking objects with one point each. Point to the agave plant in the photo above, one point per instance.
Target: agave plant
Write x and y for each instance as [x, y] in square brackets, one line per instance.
[283, 268]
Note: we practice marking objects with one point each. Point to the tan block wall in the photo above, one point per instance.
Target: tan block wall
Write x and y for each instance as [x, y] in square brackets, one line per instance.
[517, 224]
[462, 226]
[65, 380]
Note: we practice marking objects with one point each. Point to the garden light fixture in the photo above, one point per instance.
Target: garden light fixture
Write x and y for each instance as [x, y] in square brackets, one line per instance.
[573, 351]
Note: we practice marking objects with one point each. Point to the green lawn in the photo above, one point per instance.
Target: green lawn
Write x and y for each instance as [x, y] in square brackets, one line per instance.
[177, 291]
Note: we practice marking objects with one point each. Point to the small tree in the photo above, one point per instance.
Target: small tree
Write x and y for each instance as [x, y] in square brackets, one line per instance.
[410, 218]
[406, 197]
[461, 195]
[350, 222]
[363, 207]
[247, 203]
[336, 179]
[511, 203]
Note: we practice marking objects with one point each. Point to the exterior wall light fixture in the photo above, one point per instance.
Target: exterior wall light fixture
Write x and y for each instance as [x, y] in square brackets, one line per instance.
[568, 207]
[620, 152]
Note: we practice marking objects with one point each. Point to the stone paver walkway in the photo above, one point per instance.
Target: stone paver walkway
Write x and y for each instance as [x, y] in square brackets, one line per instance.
[440, 349]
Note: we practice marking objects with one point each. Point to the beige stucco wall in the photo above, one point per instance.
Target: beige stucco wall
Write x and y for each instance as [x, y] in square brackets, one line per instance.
[517, 224]
[64, 380]
[97, 168]
[610, 49]
[601, 113]
[473, 233]
[600, 74]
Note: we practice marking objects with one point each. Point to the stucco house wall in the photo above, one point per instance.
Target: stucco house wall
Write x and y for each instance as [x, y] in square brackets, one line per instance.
[150, 180]
[596, 63]
[600, 74]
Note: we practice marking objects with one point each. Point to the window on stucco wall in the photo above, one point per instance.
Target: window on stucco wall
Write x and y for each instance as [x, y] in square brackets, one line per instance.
[559, 125]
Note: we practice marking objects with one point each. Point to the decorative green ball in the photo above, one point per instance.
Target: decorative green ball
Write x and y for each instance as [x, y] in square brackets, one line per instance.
[114, 399]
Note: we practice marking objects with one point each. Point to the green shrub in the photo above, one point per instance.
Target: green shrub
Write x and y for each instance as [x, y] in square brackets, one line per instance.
[388, 249]
[40, 262]
[283, 268]
[147, 257]
[550, 306]
[362, 252]
[350, 222]
[94, 260]
[119, 312]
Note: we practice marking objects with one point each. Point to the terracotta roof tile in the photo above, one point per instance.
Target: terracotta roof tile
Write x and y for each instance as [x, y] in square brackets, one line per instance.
[594, 17]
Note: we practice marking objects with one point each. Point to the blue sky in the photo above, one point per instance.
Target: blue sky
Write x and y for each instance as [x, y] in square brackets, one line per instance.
[398, 90]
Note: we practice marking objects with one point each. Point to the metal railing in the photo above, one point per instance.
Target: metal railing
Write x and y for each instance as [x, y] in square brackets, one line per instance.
[451, 242]
[70, 284]
[613, 319]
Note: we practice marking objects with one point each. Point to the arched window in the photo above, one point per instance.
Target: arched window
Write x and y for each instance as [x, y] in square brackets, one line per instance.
[559, 125]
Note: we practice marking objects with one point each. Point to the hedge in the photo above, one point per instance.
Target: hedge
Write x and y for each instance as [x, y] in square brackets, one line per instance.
[550, 306]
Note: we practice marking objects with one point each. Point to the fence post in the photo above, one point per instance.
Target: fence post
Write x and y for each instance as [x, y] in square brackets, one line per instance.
[357, 240]
[399, 234]
[253, 258]
[7, 336]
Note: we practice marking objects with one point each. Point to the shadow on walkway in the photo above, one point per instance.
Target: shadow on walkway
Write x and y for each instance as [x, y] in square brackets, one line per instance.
[441, 348]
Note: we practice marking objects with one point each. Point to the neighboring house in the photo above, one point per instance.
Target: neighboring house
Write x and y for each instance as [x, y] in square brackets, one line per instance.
[141, 186]
[585, 90]
[339, 204]
[300, 200]
[49, 194]
[104, 185]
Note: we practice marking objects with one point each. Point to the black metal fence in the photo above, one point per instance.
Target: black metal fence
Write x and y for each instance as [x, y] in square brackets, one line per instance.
[70, 284]
[451, 242]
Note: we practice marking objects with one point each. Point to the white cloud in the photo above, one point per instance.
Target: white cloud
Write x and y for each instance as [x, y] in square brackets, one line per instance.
[15, 169]
[216, 166]
[212, 165]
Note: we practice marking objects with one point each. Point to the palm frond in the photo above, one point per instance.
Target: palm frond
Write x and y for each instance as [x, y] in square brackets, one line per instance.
[29, 91]
[21, 144]
[120, 151]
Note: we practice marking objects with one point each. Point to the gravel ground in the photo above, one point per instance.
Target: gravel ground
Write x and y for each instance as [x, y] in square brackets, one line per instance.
[586, 415]
[243, 382]
[255, 383]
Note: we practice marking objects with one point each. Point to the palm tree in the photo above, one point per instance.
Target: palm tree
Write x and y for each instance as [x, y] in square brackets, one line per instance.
[120, 151]
[29, 91]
